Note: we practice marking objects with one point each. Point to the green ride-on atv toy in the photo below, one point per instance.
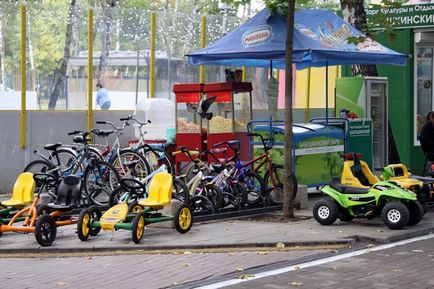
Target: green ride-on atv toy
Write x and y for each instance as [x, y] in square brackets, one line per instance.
[397, 206]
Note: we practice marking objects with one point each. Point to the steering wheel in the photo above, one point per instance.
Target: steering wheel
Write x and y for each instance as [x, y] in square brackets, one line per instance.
[133, 186]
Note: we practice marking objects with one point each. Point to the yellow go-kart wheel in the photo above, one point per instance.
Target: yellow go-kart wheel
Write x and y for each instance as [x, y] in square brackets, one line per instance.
[84, 223]
[138, 227]
[183, 219]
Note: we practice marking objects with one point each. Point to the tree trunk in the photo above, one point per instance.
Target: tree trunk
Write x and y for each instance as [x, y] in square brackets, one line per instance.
[60, 74]
[353, 11]
[108, 26]
[288, 206]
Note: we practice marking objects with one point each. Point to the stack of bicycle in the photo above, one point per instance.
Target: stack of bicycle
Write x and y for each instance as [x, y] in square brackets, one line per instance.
[76, 183]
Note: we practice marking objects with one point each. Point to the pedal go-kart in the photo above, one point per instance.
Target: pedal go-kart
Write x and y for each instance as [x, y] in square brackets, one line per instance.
[356, 173]
[136, 215]
[397, 206]
[22, 196]
[42, 220]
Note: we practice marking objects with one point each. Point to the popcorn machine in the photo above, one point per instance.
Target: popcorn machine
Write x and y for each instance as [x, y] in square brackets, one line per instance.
[189, 131]
[232, 110]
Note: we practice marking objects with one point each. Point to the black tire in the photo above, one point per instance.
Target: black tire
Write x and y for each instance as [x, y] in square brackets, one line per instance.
[39, 166]
[100, 179]
[239, 191]
[202, 205]
[191, 170]
[326, 211]
[138, 228]
[156, 158]
[229, 199]
[115, 196]
[42, 210]
[278, 174]
[395, 215]
[255, 186]
[180, 191]
[127, 156]
[416, 212]
[95, 215]
[344, 215]
[45, 230]
[134, 207]
[215, 195]
[183, 219]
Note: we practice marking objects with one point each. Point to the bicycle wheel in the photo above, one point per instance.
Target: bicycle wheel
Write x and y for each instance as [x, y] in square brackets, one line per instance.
[100, 179]
[131, 164]
[180, 191]
[39, 166]
[276, 181]
[255, 186]
[215, 195]
[66, 158]
[239, 191]
[157, 158]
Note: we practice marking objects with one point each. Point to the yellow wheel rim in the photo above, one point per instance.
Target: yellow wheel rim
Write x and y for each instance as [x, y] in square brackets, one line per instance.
[184, 218]
[136, 209]
[85, 224]
[140, 227]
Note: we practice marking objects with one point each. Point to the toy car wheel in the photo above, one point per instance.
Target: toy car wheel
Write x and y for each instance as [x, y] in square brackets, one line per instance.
[325, 211]
[42, 210]
[95, 215]
[345, 216]
[134, 207]
[83, 224]
[416, 212]
[138, 227]
[395, 215]
[183, 219]
[45, 230]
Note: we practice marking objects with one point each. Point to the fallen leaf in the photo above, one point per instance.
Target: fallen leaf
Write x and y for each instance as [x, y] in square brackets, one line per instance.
[296, 283]
[239, 270]
[61, 283]
[245, 276]
[186, 265]
[380, 231]
[262, 253]
[232, 253]
[370, 273]
[88, 257]
[280, 245]
[370, 245]
[334, 268]
[333, 251]
[418, 251]
[340, 232]
[187, 253]
[397, 270]
[297, 268]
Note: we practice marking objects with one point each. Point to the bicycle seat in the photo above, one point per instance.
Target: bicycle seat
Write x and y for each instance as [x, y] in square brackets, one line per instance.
[104, 132]
[53, 146]
[68, 194]
[80, 139]
[217, 167]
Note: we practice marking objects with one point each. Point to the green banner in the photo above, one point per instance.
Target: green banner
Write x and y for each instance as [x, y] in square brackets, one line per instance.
[406, 16]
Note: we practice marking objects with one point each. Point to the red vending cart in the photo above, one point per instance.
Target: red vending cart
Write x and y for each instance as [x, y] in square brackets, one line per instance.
[189, 131]
[232, 110]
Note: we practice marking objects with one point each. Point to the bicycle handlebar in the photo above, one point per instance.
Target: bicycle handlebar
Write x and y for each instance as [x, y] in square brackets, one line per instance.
[117, 129]
[266, 147]
[131, 117]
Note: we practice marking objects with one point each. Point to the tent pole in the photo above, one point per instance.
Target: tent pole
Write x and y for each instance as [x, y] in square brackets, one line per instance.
[327, 92]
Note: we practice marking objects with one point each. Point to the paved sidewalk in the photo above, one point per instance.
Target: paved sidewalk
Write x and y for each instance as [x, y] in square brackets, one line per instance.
[224, 234]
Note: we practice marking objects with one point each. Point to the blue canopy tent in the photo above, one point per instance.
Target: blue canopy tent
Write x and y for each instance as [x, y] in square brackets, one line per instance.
[320, 39]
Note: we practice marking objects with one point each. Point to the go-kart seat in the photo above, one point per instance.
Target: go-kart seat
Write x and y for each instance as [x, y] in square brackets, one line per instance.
[68, 194]
[23, 191]
[160, 191]
[345, 189]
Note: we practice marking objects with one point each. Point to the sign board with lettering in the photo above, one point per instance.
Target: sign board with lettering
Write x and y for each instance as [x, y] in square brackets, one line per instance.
[406, 16]
[360, 138]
